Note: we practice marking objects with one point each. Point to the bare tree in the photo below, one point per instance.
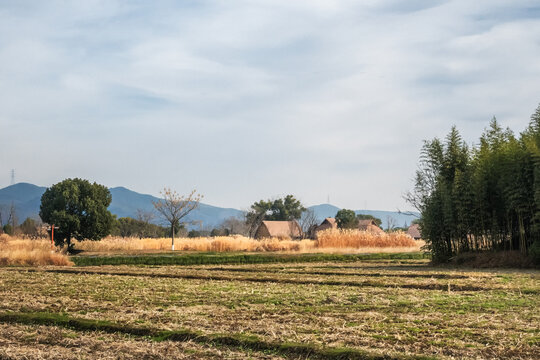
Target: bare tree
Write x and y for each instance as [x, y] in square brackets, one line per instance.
[13, 220]
[145, 217]
[253, 222]
[390, 223]
[235, 225]
[308, 222]
[173, 207]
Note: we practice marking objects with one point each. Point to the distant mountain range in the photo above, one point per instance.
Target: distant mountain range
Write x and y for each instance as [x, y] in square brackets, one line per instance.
[27, 197]
[398, 219]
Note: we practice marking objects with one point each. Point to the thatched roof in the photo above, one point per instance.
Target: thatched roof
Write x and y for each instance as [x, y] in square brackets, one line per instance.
[278, 229]
[366, 222]
[330, 221]
[414, 231]
[369, 225]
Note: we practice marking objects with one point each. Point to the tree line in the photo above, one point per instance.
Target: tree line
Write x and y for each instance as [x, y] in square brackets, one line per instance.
[67, 212]
[480, 197]
[78, 209]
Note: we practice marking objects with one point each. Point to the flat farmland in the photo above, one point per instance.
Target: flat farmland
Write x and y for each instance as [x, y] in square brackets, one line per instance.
[355, 309]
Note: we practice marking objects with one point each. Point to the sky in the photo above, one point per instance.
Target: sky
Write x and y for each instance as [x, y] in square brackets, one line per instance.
[249, 100]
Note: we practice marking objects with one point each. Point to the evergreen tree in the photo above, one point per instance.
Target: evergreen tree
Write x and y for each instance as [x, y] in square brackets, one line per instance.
[79, 209]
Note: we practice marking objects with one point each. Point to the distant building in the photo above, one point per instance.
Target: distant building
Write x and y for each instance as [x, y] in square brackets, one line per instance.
[363, 225]
[280, 229]
[414, 231]
[328, 223]
[369, 226]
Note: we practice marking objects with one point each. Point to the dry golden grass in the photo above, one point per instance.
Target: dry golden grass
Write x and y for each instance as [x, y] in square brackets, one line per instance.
[337, 238]
[386, 308]
[330, 241]
[15, 251]
[51, 342]
[218, 244]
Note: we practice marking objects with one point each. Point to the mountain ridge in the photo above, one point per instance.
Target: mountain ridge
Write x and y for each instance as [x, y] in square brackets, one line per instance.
[26, 198]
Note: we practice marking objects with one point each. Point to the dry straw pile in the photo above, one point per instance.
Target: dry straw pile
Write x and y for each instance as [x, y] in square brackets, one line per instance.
[15, 251]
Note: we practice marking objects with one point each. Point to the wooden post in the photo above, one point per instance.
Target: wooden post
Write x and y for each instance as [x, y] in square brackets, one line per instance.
[52, 236]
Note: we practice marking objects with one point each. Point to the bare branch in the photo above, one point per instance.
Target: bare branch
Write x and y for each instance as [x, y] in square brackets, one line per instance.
[173, 207]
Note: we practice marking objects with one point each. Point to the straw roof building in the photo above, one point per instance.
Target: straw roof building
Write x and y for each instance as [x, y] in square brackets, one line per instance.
[369, 226]
[269, 228]
[363, 225]
[328, 223]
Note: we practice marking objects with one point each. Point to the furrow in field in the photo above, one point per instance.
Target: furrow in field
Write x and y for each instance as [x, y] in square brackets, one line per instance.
[336, 273]
[367, 283]
[242, 341]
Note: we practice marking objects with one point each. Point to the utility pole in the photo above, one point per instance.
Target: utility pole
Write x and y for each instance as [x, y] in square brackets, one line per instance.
[12, 176]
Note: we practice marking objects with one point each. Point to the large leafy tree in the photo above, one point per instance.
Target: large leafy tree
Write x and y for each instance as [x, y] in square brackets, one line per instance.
[79, 209]
[287, 208]
[346, 219]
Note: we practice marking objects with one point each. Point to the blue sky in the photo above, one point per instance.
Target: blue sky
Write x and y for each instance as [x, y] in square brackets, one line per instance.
[248, 100]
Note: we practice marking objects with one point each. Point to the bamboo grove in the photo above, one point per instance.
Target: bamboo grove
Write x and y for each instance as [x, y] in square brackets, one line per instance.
[482, 197]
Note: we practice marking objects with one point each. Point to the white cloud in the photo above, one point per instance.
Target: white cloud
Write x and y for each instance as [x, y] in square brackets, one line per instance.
[249, 99]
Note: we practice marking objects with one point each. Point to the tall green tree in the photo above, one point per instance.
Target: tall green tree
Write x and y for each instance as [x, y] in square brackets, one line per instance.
[79, 209]
[29, 227]
[282, 209]
[346, 219]
[482, 198]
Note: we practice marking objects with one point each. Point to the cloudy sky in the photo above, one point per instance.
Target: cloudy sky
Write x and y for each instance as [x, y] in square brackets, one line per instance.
[248, 100]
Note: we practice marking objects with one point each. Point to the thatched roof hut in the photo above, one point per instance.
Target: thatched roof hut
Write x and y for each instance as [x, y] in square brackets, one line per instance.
[369, 226]
[414, 231]
[328, 223]
[278, 229]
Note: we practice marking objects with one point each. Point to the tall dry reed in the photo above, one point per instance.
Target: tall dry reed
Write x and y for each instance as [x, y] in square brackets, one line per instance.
[328, 241]
[14, 251]
[345, 238]
[218, 244]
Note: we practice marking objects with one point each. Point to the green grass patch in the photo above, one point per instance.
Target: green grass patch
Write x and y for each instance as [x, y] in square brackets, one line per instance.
[242, 341]
[212, 258]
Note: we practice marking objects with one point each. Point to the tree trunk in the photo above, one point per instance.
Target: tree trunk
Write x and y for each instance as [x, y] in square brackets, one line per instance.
[69, 245]
[172, 236]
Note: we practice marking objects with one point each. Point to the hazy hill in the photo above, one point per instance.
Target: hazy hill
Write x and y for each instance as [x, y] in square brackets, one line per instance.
[327, 210]
[27, 198]
[126, 202]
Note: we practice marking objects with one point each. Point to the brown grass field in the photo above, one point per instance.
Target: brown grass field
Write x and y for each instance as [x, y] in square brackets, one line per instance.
[15, 251]
[370, 309]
